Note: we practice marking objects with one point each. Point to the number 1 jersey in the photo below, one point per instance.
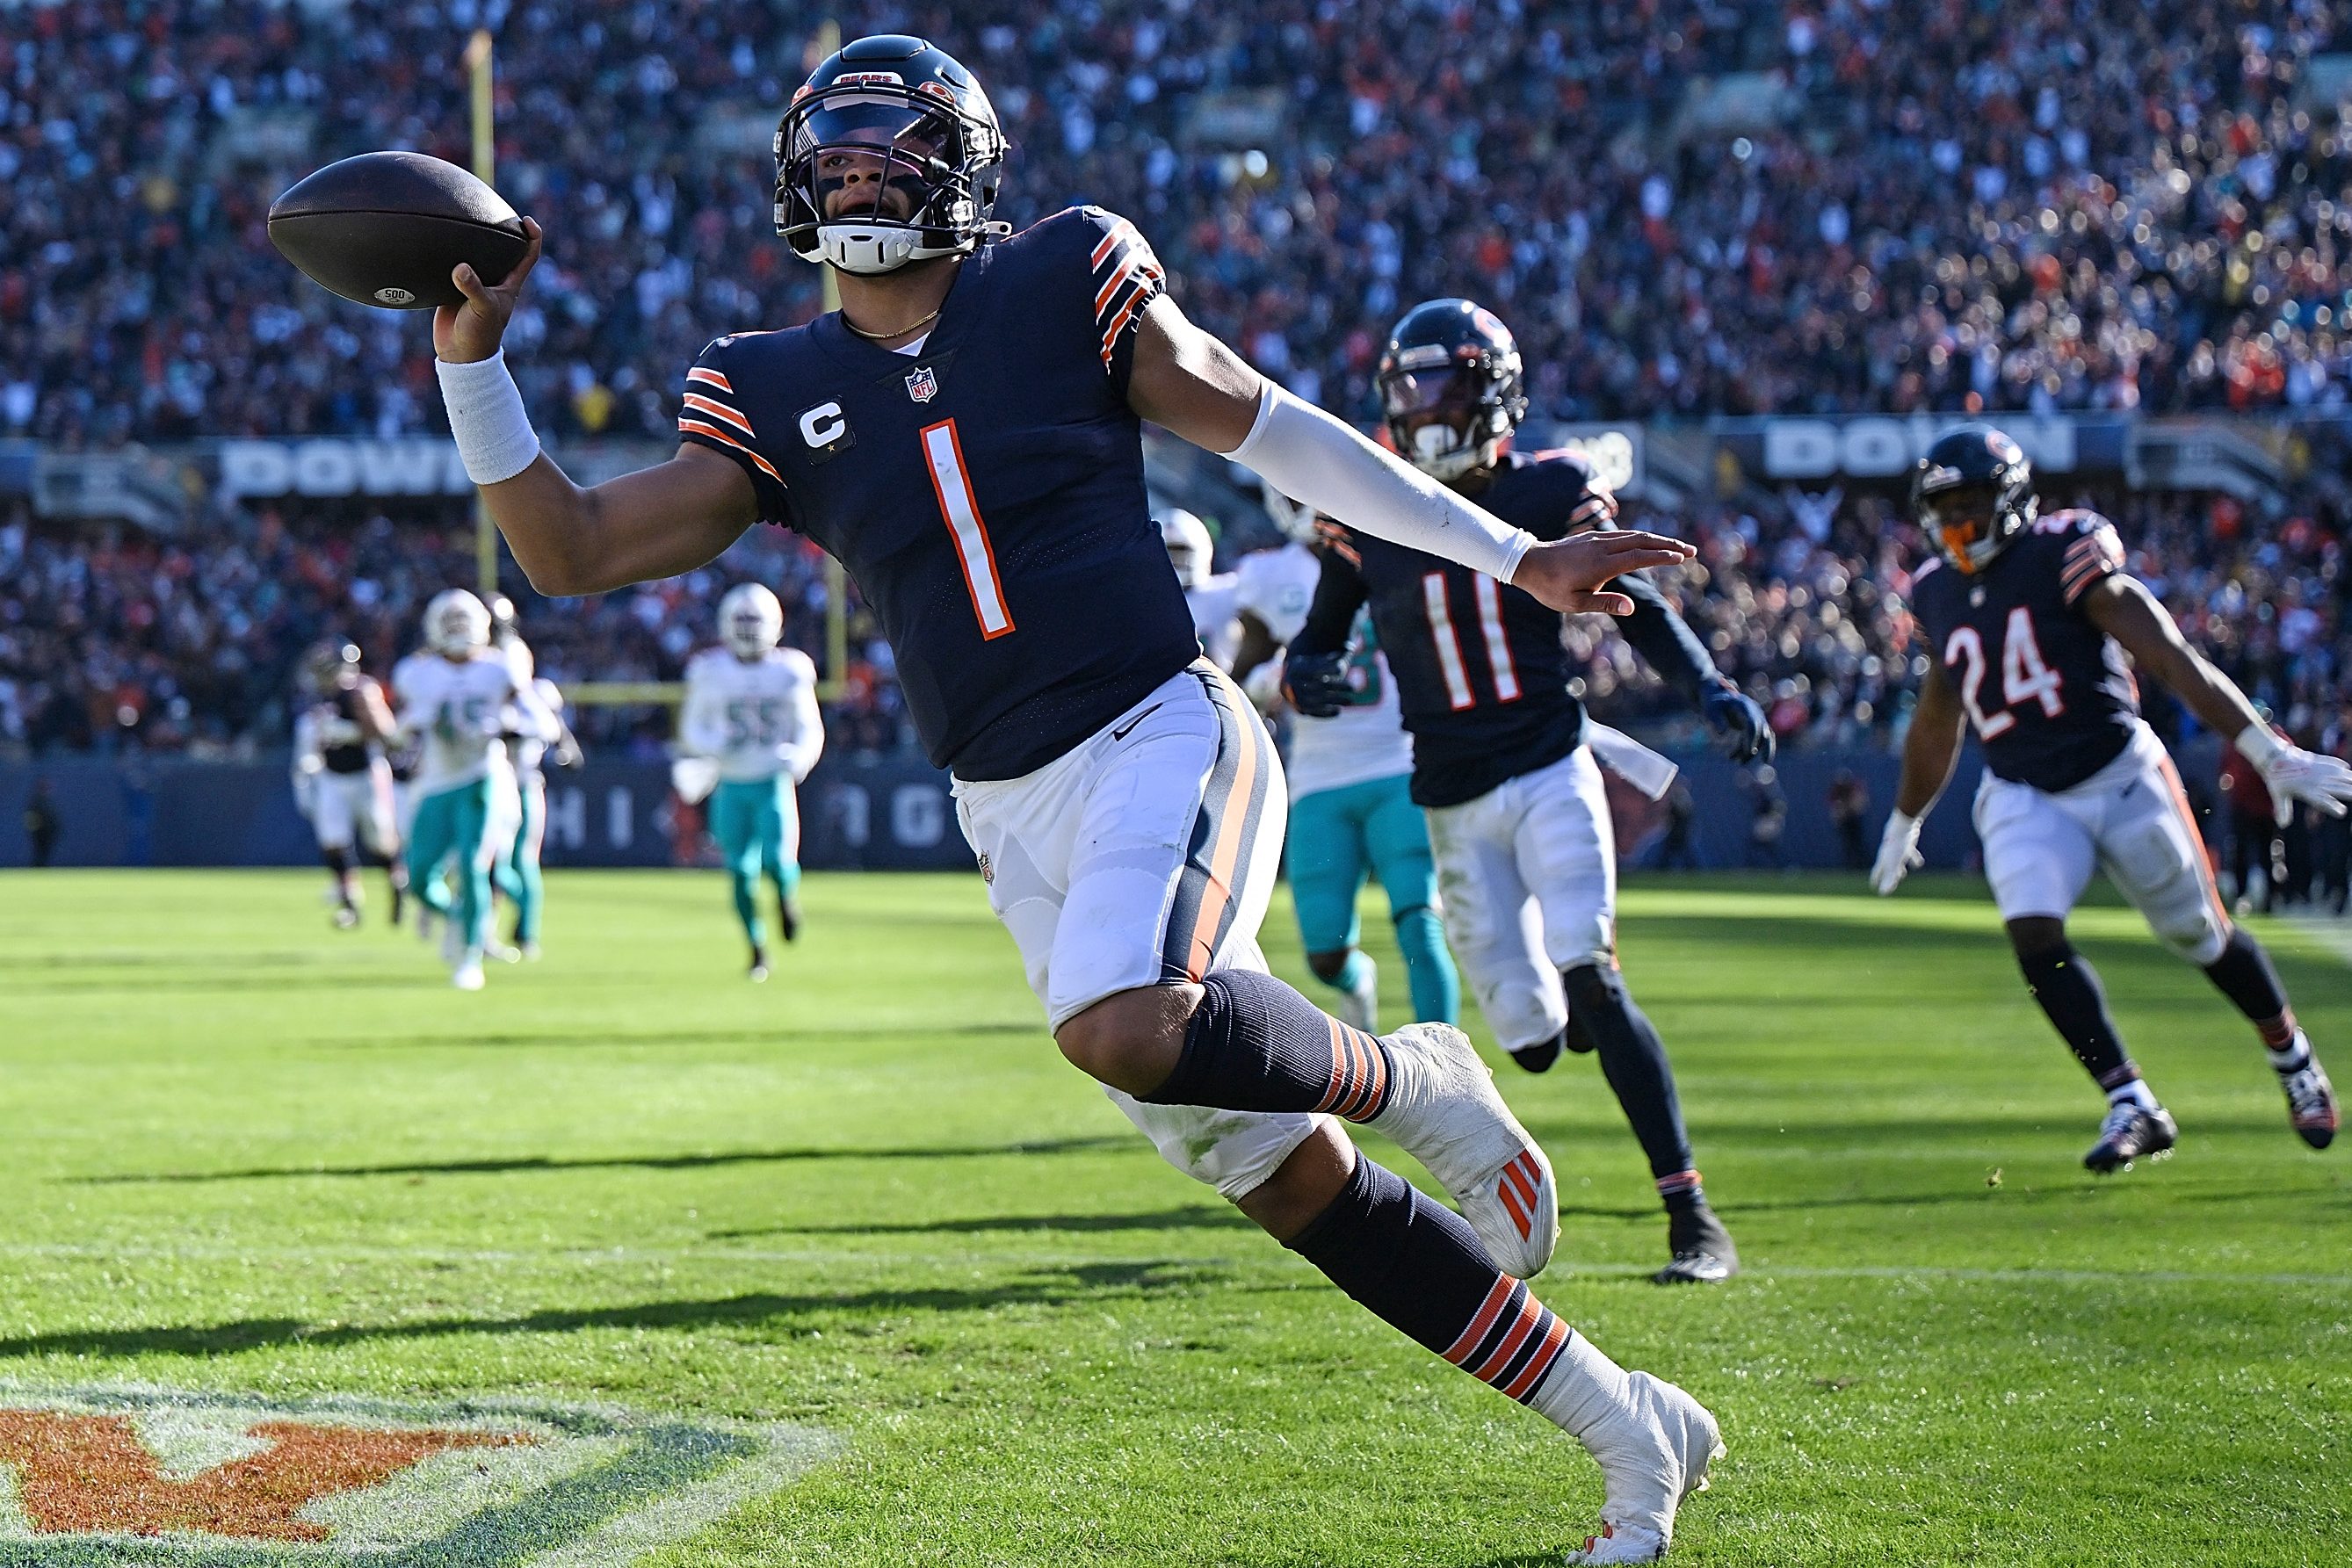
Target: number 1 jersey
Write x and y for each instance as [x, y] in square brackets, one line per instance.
[985, 493]
[2050, 695]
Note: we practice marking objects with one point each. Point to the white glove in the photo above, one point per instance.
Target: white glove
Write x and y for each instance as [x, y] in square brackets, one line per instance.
[1899, 852]
[2295, 774]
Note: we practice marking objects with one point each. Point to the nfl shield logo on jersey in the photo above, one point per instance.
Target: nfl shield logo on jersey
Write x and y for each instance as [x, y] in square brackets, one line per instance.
[922, 386]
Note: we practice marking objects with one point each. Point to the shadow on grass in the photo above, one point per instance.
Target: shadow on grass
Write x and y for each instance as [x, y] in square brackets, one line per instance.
[1061, 1286]
[526, 1164]
[1191, 1218]
[574, 1039]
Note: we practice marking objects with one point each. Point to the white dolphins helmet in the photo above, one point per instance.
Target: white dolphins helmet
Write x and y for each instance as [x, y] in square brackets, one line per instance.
[455, 623]
[750, 620]
[1190, 547]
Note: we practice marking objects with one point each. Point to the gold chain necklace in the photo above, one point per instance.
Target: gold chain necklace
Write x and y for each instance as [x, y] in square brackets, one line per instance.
[896, 331]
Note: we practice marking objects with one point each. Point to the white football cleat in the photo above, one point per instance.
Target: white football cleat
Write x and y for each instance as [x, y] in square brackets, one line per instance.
[468, 976]
[1654, 1455]
[1362, 1007]
[1442, 1109]
[502, 952]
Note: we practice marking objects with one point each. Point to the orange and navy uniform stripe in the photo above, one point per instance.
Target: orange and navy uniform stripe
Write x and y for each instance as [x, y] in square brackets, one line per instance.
[2097, 554]
[1227, 834]
[1511, 1341]
[1127, 277]
[708, 413]
[1360, 1075]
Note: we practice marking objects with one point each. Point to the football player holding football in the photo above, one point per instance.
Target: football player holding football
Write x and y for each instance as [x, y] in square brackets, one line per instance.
[964, 435]
[2027, 620]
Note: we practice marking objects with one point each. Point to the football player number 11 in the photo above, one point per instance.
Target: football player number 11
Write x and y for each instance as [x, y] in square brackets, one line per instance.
[2024, 678]
[943, 455]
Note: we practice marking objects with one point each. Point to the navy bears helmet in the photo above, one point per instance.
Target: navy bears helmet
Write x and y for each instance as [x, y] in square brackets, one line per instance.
[1973, 492]
[1453, 359]
[898, 138]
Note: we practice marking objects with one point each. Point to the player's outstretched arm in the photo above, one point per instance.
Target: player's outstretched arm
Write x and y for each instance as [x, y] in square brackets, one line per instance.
[1188, 383]
[571, 540]
[1930, 752]
[2124, 609]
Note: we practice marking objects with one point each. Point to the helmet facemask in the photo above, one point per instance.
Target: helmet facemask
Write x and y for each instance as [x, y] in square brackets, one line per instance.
[1450, 417]
[1973, 520]
[871, 176]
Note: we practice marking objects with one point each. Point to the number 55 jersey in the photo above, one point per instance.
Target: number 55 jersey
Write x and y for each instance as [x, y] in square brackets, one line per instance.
[2050, 695]
[985, 493]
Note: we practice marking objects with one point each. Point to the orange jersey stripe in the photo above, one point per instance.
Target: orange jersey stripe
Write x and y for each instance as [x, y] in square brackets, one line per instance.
[698, 428]
[710, 377]
[721, 410]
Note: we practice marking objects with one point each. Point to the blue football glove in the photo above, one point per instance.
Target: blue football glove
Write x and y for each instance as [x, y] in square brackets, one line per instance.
[1734, 716]
[1317, 684]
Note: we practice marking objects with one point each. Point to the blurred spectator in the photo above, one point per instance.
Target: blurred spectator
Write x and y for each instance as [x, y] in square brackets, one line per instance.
[41, 825]
[1849, 800]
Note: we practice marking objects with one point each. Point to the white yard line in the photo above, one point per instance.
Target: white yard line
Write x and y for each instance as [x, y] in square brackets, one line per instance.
[785, 1452]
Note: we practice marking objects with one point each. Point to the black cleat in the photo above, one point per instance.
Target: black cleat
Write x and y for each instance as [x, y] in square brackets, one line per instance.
[2132, 1133]
[788, 918]
[1703, 1253]
[1539, 1057]
[2311, 1103]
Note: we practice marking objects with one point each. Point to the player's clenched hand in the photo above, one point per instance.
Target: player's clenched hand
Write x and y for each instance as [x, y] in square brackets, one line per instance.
[1564, 573]
[1899, 852]
[1317, 684]
[471, 331]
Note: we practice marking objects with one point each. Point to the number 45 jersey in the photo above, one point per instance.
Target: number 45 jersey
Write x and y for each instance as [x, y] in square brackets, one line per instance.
[2050, 695]
[985, 493]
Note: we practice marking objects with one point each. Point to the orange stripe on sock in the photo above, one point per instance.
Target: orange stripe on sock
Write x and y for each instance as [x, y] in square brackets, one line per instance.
[1554, 1338]
[1483, 1319]
[1492, 1366]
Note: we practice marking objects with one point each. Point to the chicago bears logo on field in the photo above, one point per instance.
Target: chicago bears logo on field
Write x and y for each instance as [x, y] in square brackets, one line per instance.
[138, 1475]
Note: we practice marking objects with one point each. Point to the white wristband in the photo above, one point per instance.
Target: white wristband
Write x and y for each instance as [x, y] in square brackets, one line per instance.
[1315, 459]
[2258, 746]
[486, 416]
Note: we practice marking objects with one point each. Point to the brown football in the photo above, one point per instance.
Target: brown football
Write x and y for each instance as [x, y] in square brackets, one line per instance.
[386, 229]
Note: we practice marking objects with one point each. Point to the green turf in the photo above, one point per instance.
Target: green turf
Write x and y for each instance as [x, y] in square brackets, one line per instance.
[250, 1153]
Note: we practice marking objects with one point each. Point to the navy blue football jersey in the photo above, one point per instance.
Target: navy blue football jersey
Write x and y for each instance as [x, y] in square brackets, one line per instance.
[2050, 695]
[1481, 673]
[985, 494]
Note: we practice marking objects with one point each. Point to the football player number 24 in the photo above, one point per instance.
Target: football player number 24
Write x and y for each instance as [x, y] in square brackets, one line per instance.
[952, 482]
[2024, 678]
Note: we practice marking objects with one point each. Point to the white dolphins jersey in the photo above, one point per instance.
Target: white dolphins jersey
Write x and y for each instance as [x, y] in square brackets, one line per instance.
[460, 709]
[1363, 741]
[1274, 585]
[758, 718]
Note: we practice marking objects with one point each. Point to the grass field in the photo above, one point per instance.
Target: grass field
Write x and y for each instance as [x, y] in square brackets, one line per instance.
[250, 1153]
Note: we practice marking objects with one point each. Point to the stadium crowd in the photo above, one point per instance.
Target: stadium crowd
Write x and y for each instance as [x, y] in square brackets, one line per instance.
[1682, 207]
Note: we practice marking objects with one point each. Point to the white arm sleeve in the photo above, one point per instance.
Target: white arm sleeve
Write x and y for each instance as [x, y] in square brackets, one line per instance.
[1318, 460]
[805, 743]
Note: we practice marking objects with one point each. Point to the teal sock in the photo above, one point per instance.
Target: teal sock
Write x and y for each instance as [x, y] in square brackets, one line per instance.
[1428, 966]
[1353, 972]
[747, 906]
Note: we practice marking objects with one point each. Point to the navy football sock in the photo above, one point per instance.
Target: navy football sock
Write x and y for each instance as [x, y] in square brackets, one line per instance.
[1634, 1059]
[1417, 1266]
[2244, 975]
[2068, 989]
[1254, 1044]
